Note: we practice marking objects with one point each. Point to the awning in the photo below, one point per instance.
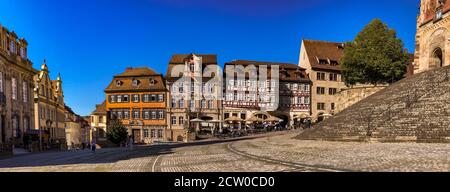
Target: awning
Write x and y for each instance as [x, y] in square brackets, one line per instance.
[234, 119]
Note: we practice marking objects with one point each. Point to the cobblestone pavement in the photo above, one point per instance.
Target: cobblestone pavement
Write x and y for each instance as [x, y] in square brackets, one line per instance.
[268, 154]
[370, 157]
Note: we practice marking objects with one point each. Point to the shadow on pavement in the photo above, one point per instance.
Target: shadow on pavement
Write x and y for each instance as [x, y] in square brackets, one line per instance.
[107, 155]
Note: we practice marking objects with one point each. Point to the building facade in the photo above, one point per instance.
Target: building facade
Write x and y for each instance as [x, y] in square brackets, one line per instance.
[432, 38]
[137, 98]
[247, 95]
[98, 122]
[16, 88]
[194, 102]
[321, 61]
[49, 107]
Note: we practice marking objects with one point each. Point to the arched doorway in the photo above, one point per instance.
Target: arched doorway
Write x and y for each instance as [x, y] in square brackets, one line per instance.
[437, 58]
[320, 118]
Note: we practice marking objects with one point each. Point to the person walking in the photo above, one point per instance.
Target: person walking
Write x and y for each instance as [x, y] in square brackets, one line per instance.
[130, 144]
[94, 146]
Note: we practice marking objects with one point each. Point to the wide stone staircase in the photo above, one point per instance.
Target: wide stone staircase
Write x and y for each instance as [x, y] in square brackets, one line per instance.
[415, 109]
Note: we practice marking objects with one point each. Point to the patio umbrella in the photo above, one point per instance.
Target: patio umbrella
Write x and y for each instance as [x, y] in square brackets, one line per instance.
[234, 119]
[197, 120]
[255, 119]
[273, 119]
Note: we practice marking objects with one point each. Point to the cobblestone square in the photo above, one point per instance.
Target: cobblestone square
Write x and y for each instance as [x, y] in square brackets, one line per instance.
[279, 153]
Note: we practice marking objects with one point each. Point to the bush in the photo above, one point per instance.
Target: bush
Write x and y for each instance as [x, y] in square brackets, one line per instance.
[116, 132]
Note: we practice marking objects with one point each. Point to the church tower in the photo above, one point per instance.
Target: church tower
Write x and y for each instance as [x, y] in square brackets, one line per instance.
[432, 38]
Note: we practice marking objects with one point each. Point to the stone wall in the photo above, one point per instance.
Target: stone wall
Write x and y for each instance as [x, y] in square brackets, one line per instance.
[349, 96]
[414, 109]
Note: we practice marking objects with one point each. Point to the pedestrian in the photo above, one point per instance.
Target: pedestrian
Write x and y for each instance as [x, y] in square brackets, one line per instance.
[131, 141]
[72, 146]
[83, 146]
[94, 146]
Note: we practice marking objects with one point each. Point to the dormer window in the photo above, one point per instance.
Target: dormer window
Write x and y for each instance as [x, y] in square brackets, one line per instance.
[12, 47]
[439, 14]
[152, 82]
[323, 61]
[135, 82]
[119, 83]
[22, 53]
[334, 63]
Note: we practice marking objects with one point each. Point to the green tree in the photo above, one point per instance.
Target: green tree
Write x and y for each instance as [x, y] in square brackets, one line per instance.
[376, 56]
[116, 132]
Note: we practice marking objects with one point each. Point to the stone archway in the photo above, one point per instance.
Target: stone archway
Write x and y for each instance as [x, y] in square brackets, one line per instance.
[437, 46]
[437, 59]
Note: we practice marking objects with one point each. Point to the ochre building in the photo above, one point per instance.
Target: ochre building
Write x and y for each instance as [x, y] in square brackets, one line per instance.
[137, 97]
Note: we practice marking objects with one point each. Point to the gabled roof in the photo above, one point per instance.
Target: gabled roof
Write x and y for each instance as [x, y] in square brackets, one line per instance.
[148, 80]
[288, 71]
[100, 109]
[323, 50]
[180, 59]
[137, 72]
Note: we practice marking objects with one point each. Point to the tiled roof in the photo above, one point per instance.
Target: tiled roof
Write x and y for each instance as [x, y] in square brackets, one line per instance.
[323, 50]
[137, 72]
[148, 80]
[100, 109]
[179, 59]
[288, 71]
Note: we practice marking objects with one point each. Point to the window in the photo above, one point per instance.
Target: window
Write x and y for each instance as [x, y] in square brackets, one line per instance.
[25, 91]
[334, 63]
[332, 91]
[23, 54]
[161, 98]
[153, 98]
[146, 98]
[321, 76]
[173, 103]
[161, 115]
[119, 98]
[146, 133]
[333, 106]
[320, 90]
[126, 98]
[160, 133]
[126, 115]
[320, 106]
[323, 61]
[146, 115]
[113, 99]
[181, 88]
[181, 120]
[119, 115]
[192, 104]
[192, 67]
[153, 114]
[192, 87]
[210, 104]
[306, 87]
[181, 103]
[306, 100]
[153, 133]
[438, 14]
[173, 120]
[14, 88]
[135, 98]
[333, 77]
[136, 114]
[12, 47]
[203, 104]
[135, 82]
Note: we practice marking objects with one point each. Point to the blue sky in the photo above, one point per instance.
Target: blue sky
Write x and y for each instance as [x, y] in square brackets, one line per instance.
[89, 41]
